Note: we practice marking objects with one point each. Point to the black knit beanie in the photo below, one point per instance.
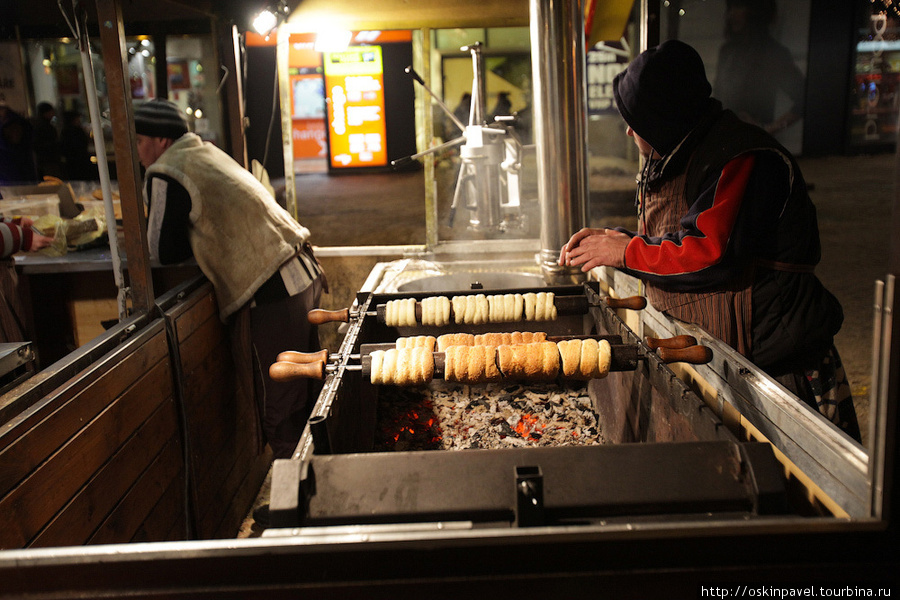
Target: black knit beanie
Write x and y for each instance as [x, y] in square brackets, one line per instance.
[663, 94]
[160, 118]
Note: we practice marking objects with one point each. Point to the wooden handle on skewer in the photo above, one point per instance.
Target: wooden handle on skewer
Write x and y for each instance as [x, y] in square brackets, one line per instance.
[290, 371]
[320, 316]
[631, 302]
[679, 341]
[302, 358]
[695, 355]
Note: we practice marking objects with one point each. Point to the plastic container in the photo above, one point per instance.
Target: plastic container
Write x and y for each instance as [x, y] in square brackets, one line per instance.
[30, 206]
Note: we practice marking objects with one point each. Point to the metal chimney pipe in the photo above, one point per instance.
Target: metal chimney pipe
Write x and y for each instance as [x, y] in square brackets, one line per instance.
[560, 128]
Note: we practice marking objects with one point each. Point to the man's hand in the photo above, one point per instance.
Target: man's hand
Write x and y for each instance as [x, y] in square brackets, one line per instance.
[39, 242]
[591, 248]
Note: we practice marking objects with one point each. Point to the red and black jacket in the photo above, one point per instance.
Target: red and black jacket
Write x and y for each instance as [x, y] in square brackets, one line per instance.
[728, 208]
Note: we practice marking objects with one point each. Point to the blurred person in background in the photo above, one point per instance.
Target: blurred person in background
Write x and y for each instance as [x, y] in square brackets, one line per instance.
[16, 149]
[74, 145]
[46, 142]
[754, 68]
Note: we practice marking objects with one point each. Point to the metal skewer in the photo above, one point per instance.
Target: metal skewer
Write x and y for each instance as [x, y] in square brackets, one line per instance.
[566, 305]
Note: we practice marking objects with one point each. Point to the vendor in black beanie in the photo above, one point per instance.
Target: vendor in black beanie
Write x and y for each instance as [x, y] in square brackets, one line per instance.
[728, 237]
[203, 204]
[160, 118]
[663, 94]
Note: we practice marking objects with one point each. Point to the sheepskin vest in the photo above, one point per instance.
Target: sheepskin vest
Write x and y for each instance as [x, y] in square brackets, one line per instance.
[239, 235]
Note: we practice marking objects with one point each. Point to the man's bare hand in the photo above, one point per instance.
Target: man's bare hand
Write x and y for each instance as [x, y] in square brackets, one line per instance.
[39, 242]
[591, 248]
[574, 241]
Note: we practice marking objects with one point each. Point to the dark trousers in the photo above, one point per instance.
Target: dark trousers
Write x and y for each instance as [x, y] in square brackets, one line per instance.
[277, 326]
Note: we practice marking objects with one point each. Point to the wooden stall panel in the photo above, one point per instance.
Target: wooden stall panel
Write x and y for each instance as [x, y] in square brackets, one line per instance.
[63, 412]
[109, 485]
[227, 461]
[131, 513]
[67, 473]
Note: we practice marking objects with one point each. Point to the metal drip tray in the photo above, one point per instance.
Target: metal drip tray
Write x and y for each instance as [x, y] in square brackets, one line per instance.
[468, 281]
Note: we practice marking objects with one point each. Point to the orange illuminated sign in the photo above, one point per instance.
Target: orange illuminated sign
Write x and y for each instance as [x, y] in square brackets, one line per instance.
[354, 88]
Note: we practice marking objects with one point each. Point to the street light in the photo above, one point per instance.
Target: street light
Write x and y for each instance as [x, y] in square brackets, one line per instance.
[269, 18]
[265, 22]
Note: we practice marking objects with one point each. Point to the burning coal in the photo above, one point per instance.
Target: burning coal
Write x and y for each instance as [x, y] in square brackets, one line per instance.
[446, 416]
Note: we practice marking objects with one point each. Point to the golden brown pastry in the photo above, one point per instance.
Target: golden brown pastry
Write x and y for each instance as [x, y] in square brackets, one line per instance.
[472, 365]
[570, 355]
[426, 365]
[454, 362]
[491, 372]
[492, 339]
[590, 353]
[549, 361]
[415, 366]
[595, 359]
[475, 364]
[604, 359]
[529, 362]
[416, 341]
[454, 339]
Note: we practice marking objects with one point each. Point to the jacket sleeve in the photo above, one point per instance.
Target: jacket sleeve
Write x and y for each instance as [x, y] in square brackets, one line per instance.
[168, 224]
[701, 253]
[13, 237]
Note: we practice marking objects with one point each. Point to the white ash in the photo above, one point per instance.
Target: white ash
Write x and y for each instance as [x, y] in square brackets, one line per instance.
[491, 416]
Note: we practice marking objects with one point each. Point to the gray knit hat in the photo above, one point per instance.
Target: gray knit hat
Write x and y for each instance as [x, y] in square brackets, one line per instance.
[160, 118]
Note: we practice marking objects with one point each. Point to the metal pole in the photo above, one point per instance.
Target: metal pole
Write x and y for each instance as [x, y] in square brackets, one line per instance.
[560, 127]
[79, 30]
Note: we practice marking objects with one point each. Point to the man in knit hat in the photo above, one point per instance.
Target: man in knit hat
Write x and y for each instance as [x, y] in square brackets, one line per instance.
[728, 237]
[205, 205]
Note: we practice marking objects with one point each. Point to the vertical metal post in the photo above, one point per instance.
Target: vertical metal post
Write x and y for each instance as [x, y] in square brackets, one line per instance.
[231, 89]
[128, 174]
[560, 127]
[878, 394]
[283, 91]
[650, 24]
[79, 30]
[422, 64]
[161, 76]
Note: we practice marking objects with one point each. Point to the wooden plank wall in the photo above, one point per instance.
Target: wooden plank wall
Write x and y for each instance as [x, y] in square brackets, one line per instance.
[101, 458]
[224, 436]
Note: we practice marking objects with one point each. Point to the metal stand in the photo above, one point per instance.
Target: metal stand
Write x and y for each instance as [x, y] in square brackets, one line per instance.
[490, 160]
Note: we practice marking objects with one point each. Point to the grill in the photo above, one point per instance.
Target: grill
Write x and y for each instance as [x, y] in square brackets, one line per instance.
[358, 463]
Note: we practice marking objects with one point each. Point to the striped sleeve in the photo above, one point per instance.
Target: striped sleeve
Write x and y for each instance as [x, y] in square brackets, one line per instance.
[14, 238]
[697, 254]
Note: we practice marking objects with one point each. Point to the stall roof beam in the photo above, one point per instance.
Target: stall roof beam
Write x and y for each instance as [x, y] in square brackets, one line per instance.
[608, 17]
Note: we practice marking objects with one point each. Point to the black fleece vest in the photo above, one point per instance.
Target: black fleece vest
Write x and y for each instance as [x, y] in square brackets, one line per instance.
[776, 312]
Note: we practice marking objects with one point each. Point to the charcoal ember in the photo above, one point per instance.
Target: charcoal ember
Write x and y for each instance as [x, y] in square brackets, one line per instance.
[406, 421]
[504, 428]
[483, 402]
[489, 416]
